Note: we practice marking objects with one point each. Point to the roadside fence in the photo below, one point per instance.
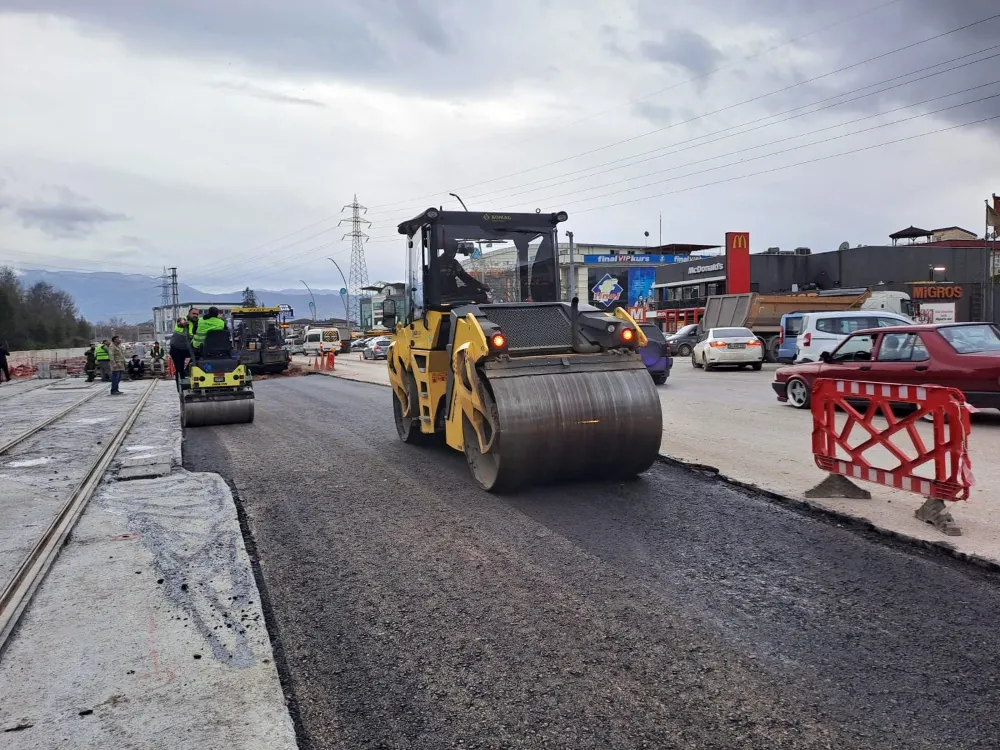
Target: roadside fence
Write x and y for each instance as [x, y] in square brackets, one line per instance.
[940, 471]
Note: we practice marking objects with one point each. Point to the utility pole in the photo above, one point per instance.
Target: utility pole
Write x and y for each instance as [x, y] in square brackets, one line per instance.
[358, 272]
[572, 268]
[175, 299]
[164, 288]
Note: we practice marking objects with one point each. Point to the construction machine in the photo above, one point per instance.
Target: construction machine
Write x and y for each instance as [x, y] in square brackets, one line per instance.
[257, 332]
[216, 388]
[531, 389]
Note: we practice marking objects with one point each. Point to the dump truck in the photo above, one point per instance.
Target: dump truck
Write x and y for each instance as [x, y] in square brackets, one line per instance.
[761, 313]
[531, 390]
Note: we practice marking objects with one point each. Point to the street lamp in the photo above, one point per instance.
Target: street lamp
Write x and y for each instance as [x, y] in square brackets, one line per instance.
[455, 196]
[347, 304]
[311, 296]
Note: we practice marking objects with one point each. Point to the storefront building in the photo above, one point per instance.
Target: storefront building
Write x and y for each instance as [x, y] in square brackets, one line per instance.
[947, 275]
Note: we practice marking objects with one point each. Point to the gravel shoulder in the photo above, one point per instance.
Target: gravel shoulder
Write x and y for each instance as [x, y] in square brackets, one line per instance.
[415, 611]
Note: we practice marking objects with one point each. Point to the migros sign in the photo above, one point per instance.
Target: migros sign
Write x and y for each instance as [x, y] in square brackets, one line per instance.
[937, 292]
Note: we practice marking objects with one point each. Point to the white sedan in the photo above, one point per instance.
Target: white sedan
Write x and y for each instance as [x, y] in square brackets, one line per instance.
[728, 346]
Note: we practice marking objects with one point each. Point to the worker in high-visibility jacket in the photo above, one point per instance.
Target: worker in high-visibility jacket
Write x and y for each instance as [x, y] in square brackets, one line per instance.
[211, 322]
[180, 342]
[103, 359]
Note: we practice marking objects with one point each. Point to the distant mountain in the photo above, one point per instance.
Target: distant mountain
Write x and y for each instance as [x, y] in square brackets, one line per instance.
[101, 296]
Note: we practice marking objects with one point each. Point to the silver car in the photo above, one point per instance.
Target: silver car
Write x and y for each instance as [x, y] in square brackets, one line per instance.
[737, 347]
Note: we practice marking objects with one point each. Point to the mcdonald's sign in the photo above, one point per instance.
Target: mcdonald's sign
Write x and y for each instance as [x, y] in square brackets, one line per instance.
[737, 262]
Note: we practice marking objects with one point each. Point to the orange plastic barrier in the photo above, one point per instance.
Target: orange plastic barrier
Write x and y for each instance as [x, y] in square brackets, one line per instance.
[951, 426]
[330, 363]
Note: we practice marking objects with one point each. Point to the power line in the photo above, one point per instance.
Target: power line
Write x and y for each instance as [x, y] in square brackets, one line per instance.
[763, 172]
[658, 130]
[716, 111]
[796, 164]
[558, 179]
[692, 79]
[787, 150]
[554, 181]
[564, 125]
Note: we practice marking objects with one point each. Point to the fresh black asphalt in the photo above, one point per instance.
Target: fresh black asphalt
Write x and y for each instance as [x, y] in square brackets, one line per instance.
[412, 610]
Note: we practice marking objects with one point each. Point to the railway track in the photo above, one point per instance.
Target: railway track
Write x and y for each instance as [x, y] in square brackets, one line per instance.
[19, 590]
[4, 396]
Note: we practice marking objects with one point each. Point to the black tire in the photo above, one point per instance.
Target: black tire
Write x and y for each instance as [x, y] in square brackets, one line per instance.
[706, 365]
[797, 393]
[660, 378]
[684, 350]
[694, 362]
[770, 348]
[757, 365]
[408, 428]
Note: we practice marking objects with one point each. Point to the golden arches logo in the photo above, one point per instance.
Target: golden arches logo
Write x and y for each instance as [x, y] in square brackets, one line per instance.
[740, 241]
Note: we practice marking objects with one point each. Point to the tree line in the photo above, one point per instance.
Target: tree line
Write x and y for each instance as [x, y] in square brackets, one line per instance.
[39, 316]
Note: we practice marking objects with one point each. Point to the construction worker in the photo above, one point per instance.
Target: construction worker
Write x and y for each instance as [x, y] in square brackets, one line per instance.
[211, 322]
[117, 361]
[103, 359]
[156, 359]
[91, 363]
[184, 330]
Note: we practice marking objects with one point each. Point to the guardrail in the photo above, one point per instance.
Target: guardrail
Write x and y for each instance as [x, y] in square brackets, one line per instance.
[871, 407]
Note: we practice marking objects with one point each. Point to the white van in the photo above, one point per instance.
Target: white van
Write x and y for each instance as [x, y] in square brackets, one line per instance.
[321, 341]
[823, 331]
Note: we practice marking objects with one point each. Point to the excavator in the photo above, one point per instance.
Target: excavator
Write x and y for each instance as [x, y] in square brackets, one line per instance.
[532, 389]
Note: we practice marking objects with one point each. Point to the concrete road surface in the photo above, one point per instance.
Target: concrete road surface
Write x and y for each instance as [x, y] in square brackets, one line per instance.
[411, 610]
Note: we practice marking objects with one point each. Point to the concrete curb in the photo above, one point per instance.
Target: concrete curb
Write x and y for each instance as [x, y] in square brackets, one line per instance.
[335, 374]
[814, 508]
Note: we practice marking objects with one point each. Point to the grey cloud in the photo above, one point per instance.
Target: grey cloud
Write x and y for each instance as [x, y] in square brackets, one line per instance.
[847, 35]
[258, 92]
[686, 49]
[66, 215]
[387, 41]
[655, 113]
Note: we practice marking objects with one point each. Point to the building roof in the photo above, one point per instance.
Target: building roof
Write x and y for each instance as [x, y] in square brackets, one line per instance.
[911, 232]
[946, 229]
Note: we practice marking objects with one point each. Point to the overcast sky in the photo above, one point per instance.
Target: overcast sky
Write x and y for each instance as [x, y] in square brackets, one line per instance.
[196, 133]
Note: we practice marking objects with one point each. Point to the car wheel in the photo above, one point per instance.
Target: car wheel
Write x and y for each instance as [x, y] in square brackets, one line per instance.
[694, 361]
[706, 364]
[757, 365]
[660, 378]
[684, 350]
[797, 393]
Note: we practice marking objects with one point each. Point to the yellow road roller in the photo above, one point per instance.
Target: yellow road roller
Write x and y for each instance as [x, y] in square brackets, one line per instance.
[217, 388]
[531, 389]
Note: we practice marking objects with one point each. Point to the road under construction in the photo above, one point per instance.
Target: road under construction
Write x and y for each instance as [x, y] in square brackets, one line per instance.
[405, 607]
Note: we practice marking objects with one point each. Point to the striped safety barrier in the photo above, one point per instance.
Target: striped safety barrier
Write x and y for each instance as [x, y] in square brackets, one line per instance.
[864, 403]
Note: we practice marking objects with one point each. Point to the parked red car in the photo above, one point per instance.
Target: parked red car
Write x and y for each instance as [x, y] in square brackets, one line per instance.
[965, 356]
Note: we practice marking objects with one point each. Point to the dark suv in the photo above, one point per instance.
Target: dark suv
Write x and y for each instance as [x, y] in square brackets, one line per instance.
[682, 343]
[656, 353]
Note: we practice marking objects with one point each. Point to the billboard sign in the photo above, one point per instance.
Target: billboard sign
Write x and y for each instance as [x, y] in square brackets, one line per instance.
[640, 286]
[605, 290]
[737, 262]
[618, 260]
